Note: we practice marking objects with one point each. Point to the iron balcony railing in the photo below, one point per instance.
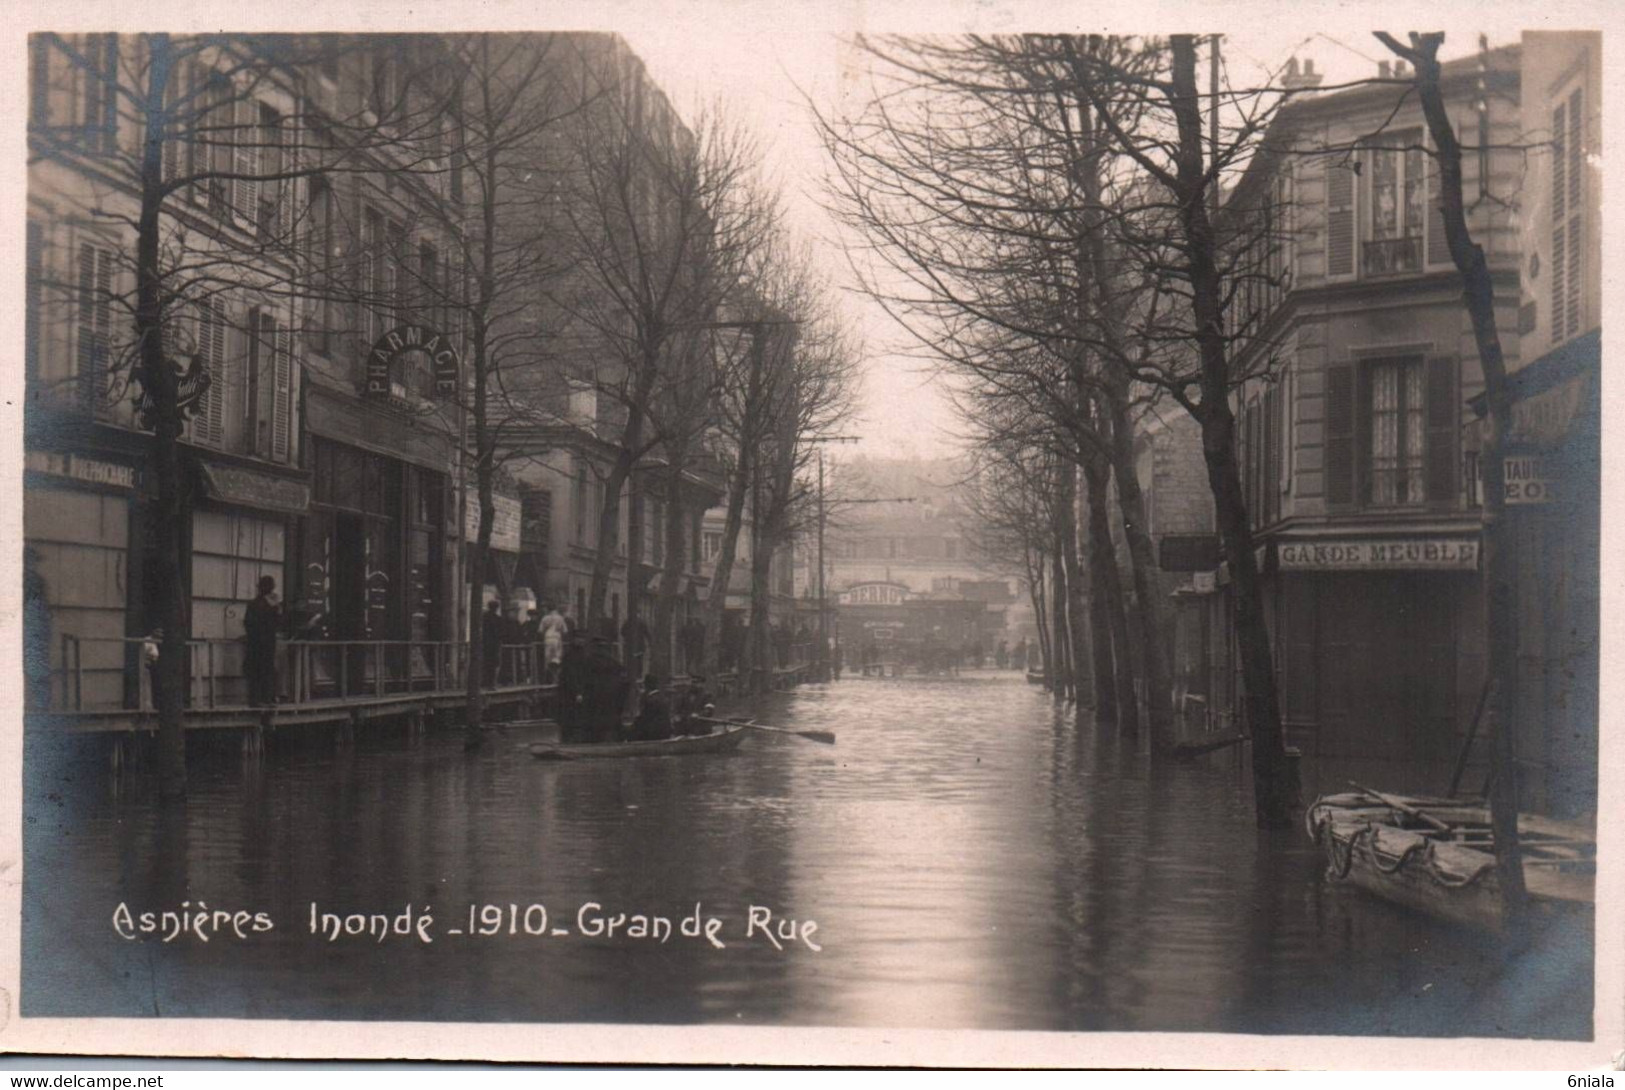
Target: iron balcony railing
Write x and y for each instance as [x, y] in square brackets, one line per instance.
[1393, 256]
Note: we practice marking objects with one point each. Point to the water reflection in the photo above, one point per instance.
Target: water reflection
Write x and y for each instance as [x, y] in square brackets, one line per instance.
[972, 858]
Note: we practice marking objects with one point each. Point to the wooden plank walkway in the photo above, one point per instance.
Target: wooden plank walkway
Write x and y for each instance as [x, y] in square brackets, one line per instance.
[311, 712]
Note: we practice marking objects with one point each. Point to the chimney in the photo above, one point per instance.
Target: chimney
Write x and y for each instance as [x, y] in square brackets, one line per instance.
[1382, 70]
[1300, 79]
[1399, 69]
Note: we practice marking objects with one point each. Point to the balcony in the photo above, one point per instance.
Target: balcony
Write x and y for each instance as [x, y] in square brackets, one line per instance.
[1393, 256]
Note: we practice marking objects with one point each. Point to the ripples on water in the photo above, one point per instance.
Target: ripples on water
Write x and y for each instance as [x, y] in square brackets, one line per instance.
[971, 856]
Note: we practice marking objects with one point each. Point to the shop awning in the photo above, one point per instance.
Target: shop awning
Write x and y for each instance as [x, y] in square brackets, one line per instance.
[248, 488]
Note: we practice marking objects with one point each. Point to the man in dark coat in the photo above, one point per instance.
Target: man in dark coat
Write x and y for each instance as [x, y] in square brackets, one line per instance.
[654, 721]
[260, 626]
[491, 642]
[572, 694]
[606, 691]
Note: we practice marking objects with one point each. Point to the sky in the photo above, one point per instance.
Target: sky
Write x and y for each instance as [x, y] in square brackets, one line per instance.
[763, 58]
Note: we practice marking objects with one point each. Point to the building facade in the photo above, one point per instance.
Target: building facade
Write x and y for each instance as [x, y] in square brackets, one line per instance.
[1354, 442]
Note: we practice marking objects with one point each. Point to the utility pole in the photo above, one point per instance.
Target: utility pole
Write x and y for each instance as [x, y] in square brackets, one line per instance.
[823, 600]
[1213, 123]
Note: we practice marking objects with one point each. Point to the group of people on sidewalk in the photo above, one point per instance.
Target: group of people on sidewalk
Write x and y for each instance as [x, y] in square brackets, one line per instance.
[549, 630]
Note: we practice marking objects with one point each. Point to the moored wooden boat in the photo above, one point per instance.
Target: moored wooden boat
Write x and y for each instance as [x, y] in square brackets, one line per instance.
[717, 742]
[1036, 677]
[1437, 856]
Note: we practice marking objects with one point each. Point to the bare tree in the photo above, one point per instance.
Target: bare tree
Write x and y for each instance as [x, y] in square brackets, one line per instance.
[662, 220]
[188, 148]
[1499, 557]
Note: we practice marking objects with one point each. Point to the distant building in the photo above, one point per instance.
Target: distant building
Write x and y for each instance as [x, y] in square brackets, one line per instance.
[923, 547]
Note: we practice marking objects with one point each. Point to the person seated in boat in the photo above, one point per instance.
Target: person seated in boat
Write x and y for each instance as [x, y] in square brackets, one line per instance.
[653, 723]
[694, 706]
[572, 691]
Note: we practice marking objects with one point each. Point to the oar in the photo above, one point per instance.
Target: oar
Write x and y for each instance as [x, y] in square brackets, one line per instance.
[824, 736]
[1403, 807]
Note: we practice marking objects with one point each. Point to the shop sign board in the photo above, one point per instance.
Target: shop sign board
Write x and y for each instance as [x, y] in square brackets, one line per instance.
[1188, 552]
[73, 467]
[1526, 480]
[412, 340]
[1400, 554]
[505, 526]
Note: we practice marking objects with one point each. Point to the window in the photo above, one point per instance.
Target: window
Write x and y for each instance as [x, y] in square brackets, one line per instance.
[1391, 433]
[1396, 436]
[1568, 214]
[578, 501]
[272, 203]
[1395, 213]
[74, 92]
[375, 274]
[94, 323]
[209, 412]
[321, 205]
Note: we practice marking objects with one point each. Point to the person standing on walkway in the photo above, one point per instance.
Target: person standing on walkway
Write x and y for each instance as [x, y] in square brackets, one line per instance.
[491, 638]
[260, 626]
[552, 628]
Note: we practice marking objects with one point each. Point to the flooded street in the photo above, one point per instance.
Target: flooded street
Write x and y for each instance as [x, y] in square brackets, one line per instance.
[971, 859]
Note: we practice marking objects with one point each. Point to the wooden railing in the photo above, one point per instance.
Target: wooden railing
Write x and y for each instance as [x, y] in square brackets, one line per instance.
[117, 676]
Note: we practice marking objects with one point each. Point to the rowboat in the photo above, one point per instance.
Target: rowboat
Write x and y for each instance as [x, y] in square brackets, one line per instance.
[1438, 856]
[728, 738]
[1035, 677]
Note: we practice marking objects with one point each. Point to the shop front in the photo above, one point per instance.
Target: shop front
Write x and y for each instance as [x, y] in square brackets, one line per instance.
[373, 573]
[1379, 645]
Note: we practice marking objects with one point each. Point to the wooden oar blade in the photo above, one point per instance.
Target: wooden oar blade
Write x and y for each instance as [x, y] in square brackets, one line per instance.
[825, 736]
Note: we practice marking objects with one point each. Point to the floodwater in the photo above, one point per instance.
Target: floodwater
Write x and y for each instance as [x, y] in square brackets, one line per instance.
[971, 858]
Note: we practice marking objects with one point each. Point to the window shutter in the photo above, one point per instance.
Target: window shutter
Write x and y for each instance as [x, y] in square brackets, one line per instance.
[1438, 245]
[282, 401]
[95, 321]
[287, 189]
[1576, 209]
[1559, 192]
[209, 415]
[244, 138]
[33, 290]
[40, 87]
[109, 77]
[1340, 421]
[1340, 225]
[1441, 461]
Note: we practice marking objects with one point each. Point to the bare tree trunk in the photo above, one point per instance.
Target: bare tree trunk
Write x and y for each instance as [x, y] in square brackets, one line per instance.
[716, 601]
[1274, 779]
[1143, 618]
[632, 648]
[609, 536]
[484, 476]
[160, 385]
[1078, 639]
[1144, 627]
[1103, 562]
[671, 576]
[762, 651]
[1110, 609]
[1035, 590]
[1060, 677]
[1499, 552]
